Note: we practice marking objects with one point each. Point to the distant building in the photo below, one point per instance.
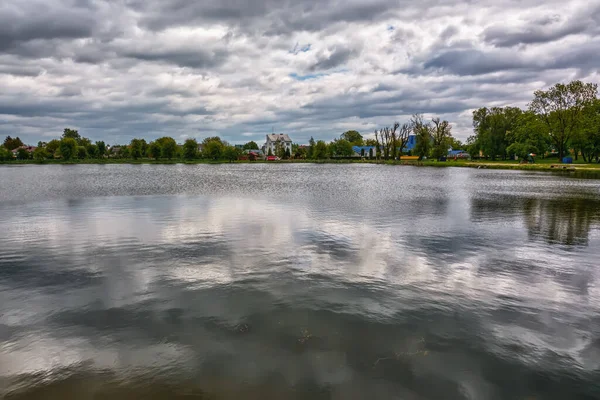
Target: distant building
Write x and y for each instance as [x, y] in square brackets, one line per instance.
[30, 149]
[274, 139]
[458, 154]
[410, 145]
[364, 151]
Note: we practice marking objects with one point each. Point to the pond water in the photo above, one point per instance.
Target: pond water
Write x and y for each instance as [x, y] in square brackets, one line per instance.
[297, 281]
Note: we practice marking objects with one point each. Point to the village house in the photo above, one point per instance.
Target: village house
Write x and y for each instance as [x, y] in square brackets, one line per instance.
[277, 139]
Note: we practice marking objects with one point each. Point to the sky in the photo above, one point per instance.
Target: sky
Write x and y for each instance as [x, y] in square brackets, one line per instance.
[119, 69]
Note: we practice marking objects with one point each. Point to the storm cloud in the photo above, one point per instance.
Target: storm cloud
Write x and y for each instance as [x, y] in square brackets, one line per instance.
[240, 68]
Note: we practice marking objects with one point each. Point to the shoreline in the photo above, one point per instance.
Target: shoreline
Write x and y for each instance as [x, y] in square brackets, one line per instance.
[542, 166]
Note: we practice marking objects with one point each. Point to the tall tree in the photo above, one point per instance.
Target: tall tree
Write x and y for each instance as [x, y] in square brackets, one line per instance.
[213, 149]
[136, 148]
[493, 128]
[11, 143]
[168, 146]
[561, 108]
[320, 151]
[68, 148]
[154, 150]
[422, 131]
[587, 138]
[529, 135]
[212, 139]
[342, 148]
[230, 153]
[72, 134]
[441, 138]
[311, 148]
[52, 146]
[92, 150]
[251, 145]
[190, 149]
[353, 137]
[101, 148]
[402, 140]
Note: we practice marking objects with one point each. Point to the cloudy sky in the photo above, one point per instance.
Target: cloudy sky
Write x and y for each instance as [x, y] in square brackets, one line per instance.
[118, 69]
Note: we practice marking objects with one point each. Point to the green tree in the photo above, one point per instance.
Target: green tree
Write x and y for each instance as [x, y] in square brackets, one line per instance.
[230, 153]
[300, 152]
[353, 137]
[190, 149]
[5, 154]
[213, 149]
[213, 139]
[456, 144]
[251, 145]
[52, 146]
[85, 142]
[586, 139]
[279, 149]
[311, 148]
[11, 144]
[81, 152]
[124, 152]
[342, 147]
[371, 142]
[493, 129]
[101, 148]
[561, 108]
[68, 148]
[529, 135]
[320, 150]
[168, 146]
[40, 154]
[136, 148]
[71, 134]
[22, 154]
[154, 150]
[288, 154]
[92, 150]
[270, 153]
[441, 138]
[423, 141]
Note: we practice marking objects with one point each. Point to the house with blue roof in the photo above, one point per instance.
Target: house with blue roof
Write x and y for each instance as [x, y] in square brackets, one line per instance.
[364, 151]
[410, 145]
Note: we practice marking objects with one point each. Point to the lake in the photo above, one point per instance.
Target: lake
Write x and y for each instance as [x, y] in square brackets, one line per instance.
[297, 281]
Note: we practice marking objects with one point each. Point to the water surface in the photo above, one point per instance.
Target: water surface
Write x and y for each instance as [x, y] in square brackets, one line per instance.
[297, 282]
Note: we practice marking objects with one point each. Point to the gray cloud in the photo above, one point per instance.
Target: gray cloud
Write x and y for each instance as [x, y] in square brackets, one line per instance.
[474, 62]
[337, 58]
[131, 68]
[545, 29]
[184, 58]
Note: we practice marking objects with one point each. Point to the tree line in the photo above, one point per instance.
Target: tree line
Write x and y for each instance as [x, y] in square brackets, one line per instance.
[73, 146]
[561, 120]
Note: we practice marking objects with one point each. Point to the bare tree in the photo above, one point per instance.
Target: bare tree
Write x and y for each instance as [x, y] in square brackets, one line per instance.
[440, 133]
[388, 139]
[403, 135]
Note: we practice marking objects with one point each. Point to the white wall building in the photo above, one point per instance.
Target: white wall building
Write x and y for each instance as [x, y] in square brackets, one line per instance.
[273, 139]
